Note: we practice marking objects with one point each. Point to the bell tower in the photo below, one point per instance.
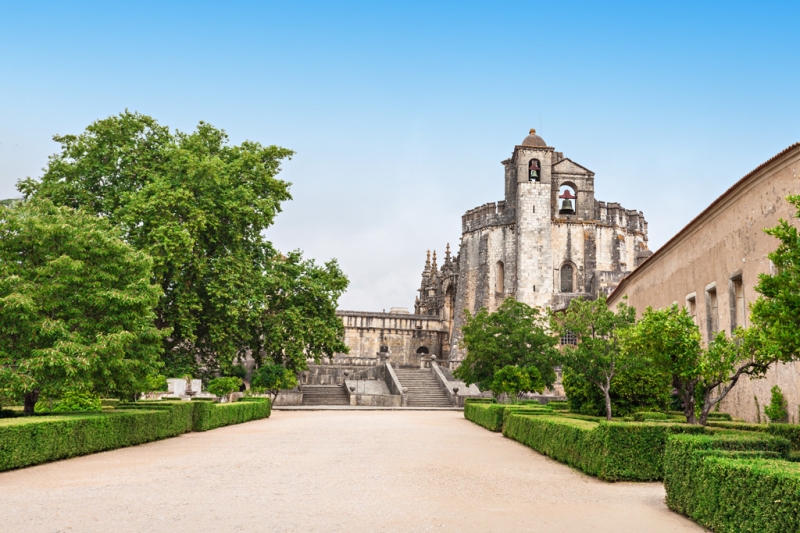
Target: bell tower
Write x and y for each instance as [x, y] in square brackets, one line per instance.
[533, 161]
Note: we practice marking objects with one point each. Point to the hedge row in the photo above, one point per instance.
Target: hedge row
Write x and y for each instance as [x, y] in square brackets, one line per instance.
[787, 431]
[733, 482]
[208, 415]
[613, 451]
[492, 415]
[33, 440]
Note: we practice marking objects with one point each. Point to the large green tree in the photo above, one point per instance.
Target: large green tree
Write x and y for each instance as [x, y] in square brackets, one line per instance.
[670, 340]
[598, 354]
[76, 305]
[200, 207]
[514, 335]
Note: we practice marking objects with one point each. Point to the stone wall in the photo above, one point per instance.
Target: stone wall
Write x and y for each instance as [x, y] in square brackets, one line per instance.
[723, 246]
[402, 334]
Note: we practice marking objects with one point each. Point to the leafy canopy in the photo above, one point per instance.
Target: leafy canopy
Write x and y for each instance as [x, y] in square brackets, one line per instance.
[777, 311]
[273, 378]
[512, 380]
[224, 386]
[514, 335]
[598, 354]
[199, 207]
[76, 305]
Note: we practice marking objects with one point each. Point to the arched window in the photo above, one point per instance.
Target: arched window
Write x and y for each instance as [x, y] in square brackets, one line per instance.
[566, 278]
[568, 199]
[422, 350]
[500, 277]
[534, 170]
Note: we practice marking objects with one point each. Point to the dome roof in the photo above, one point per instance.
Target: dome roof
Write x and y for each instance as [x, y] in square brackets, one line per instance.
[533, 140]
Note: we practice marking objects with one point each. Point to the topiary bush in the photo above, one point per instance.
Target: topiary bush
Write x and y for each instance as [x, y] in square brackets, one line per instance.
[649, 415]
[777, 410]
[733, 482]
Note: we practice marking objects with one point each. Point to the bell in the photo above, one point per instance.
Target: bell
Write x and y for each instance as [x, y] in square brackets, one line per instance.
[566, 207]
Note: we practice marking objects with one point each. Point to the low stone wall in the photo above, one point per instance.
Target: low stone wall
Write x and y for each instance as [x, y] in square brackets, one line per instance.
[289, 397]
[373, 393]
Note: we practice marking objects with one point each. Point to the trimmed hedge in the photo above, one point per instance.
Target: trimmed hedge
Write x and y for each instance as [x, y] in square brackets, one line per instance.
[492, 415]
[733, 482]
[720, 416]
[209, 415]
[26, 441]
[558, 405]
[649, 415]
[612, 451]
[787, 431]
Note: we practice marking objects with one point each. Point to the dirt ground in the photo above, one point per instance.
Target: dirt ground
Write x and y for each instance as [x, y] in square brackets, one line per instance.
[350, 471]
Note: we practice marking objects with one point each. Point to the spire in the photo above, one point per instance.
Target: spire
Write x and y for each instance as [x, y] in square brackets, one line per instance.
[447, 254]
[434, 261]
[427, 270]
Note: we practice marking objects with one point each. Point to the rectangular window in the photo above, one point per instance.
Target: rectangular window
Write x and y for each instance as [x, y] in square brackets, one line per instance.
[737, 305]
[569, 338]
[712, 311]
[691, 305]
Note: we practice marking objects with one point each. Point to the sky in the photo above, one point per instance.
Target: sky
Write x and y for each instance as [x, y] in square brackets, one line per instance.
[400, 113]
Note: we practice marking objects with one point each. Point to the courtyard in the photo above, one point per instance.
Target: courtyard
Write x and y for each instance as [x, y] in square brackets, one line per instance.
[346, 470]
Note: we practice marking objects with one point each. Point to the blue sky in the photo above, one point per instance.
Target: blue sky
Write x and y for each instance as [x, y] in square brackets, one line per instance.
[401, 112]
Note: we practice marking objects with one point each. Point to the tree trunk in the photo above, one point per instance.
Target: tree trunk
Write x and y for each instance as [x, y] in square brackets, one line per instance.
[608, 403]
[30, 402]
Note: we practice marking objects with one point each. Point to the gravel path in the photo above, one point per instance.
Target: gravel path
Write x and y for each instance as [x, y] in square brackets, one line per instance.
[349, 471]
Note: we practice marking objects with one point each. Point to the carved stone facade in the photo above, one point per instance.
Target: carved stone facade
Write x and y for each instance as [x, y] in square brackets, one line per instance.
[547, 242]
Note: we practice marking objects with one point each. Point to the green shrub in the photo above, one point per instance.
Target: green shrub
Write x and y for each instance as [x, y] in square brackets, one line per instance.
[72, 402]
[733, 482]
[109, 402]
[777, 408]
[209, 415]
[613, 451]
[791, 432]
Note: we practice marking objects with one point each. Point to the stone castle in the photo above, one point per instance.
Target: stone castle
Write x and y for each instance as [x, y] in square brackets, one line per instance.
[548, 241]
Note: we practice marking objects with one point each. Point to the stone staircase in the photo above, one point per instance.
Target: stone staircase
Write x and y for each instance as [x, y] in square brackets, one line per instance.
[423, 388]
[325, 395]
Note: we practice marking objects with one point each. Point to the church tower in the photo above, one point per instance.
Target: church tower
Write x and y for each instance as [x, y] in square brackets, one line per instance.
[531, 164]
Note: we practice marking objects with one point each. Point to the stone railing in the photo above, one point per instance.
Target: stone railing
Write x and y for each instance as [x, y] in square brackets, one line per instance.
[354, 361]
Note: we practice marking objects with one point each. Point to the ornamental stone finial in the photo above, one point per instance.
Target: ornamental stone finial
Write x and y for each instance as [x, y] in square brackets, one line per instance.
[533, 131]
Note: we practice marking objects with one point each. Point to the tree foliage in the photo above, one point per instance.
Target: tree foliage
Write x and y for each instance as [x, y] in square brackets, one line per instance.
[671, 340]
[273, 378]
[598, 354]
[512, 380]
[777, 311]
[640, 388]
[76, 305]
[224, 386]
[200, 207]
[514, 335]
